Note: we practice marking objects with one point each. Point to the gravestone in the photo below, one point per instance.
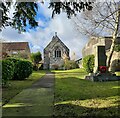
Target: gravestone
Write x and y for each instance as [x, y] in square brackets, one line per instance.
[100, 57]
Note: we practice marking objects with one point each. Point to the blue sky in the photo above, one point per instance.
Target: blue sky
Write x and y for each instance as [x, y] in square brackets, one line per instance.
[39, 38]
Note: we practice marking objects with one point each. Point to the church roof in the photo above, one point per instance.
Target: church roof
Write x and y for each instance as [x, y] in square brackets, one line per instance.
[56, 39]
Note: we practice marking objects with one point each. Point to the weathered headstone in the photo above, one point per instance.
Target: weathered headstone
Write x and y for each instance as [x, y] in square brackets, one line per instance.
[100, 57]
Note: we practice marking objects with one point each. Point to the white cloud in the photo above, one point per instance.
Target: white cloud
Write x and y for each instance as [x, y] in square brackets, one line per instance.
[44, 8]
[39, 38]
[40, 23]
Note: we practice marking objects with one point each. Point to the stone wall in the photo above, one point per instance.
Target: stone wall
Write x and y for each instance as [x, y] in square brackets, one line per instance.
[116, 55]
[105, 41]
[50, 61]
[89, 47]
[57, 60]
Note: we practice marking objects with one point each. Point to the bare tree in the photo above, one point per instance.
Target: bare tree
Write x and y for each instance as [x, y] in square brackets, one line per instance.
[103, 19]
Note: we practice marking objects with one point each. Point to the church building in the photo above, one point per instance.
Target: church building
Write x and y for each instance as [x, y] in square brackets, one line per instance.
[55, 53]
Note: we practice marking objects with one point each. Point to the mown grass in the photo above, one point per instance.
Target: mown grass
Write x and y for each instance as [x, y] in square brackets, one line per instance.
[75, 96]
[117, 73]
[16, 86]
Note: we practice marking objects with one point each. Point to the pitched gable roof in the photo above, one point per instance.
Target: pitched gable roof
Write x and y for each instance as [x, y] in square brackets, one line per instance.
[15, 45]
[56, 39]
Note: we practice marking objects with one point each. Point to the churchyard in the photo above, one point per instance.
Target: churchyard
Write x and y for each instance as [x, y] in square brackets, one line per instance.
[58, 87]
[15, 86]
[50, 81]
[75, 96]
[91, 91]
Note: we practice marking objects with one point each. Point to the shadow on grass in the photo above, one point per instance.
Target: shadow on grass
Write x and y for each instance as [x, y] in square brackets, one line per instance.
[75, 111]
[80, 89]
[77, 89]
[16, 86]
[27, 117]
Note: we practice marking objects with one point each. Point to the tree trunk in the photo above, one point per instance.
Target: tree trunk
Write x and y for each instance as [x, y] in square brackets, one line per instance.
[114, 37]
[111, 53]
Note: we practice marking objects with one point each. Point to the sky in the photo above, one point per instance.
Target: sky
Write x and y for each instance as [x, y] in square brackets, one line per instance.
[42, 35]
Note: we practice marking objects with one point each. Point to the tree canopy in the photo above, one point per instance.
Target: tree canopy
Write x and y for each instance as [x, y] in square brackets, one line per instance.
[71, 8]
[23, 16]
[36, 57]
[26, 12]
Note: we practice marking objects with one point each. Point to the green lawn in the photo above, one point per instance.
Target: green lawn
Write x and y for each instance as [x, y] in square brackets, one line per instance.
[75, 96]
[17, 86]
[117, 73]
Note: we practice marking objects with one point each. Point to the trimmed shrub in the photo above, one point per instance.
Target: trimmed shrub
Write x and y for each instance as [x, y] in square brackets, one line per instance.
[14, 60]
[70, 64]
[115, 66]
[7, 71]
[88, 63]
[23, 69]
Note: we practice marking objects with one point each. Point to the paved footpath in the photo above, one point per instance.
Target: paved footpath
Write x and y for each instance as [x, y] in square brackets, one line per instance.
[34, 101]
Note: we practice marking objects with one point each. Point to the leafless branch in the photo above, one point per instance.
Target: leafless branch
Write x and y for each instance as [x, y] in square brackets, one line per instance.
[110, 11]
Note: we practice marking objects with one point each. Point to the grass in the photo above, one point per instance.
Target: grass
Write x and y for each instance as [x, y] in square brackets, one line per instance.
[17, 86]
[75, 96]
[117, 73]
[30, 102]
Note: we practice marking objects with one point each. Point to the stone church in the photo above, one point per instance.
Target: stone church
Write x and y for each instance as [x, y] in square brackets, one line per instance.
[54, 53]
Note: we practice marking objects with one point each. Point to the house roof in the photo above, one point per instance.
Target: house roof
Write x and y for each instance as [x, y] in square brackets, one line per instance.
[14, 45]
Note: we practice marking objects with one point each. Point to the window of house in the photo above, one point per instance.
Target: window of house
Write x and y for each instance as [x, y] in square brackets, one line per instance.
[58, 53]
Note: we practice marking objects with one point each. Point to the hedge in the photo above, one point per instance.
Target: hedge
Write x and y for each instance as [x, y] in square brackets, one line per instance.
[70, 64]
[88, 63]
[14, 60]
[7, 71]
[23, 69]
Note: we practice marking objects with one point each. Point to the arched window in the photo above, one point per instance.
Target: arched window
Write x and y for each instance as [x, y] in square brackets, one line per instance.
[58, 53]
